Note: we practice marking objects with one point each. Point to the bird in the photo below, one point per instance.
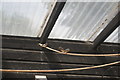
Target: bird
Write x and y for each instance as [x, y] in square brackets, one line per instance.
[65, 51]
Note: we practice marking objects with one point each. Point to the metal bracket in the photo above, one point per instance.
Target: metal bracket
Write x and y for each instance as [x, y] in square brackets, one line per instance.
[40, 77]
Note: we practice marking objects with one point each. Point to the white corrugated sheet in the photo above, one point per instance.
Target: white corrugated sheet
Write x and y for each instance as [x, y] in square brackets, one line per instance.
[24, 18]
[83, 20]
[77, 21]
[114, 37]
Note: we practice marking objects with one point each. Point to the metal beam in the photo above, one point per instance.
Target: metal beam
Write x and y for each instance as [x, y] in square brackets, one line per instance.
[53, 76]
[30, 43]
[114, 23]
[24, 53]
[55, 13]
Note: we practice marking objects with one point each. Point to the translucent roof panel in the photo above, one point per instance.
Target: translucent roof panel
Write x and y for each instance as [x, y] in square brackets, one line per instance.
[114, 37]
[23, 18]
[83, 20]
[78, 20]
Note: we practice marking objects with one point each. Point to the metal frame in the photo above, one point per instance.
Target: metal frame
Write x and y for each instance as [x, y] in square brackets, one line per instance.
[50, 24]
[25, 53]
[115, 22]
[53, 76]
[74, 46]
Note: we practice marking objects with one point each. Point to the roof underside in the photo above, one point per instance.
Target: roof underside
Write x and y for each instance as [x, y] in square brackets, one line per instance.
[77, 21]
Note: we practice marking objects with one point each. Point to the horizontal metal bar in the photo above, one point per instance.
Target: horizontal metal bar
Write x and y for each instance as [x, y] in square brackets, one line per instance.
[10, 64]
[45, 56]
[28, 43]
[53, 76]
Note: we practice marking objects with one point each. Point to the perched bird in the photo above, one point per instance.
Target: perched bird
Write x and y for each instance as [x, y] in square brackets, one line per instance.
[65, 51]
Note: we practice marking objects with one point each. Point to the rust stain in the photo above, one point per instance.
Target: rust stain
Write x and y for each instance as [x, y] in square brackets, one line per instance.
[98, 29]
[46, 18]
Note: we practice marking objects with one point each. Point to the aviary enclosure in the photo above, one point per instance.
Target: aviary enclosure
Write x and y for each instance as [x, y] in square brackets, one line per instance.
[60, 39]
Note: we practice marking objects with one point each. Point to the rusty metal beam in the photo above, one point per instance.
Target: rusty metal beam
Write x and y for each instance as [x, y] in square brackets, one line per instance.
[114, 23]
[50, 24]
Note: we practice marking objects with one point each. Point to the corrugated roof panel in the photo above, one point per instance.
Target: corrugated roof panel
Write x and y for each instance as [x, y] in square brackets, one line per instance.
[0, 18]
[83, 20]
[114, 37]
[23, 18]
[77, 21]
